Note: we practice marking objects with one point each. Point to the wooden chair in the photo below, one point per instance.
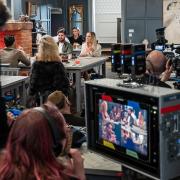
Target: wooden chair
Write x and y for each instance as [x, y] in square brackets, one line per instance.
[8, 71]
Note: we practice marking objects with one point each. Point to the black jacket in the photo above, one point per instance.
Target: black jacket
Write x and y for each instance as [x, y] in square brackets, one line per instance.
[154, 81]
[48, 76]
[79, 40]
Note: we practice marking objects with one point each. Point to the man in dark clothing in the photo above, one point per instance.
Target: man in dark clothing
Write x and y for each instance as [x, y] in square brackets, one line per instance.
[160, 43]
[62, 102]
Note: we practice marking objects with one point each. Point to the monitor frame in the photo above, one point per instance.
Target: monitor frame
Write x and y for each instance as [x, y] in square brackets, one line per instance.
[149, 164]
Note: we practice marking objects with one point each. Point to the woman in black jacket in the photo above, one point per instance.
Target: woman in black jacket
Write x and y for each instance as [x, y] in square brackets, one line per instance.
[48, 73]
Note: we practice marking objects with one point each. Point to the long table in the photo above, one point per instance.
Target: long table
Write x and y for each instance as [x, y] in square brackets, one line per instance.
[86, 63]
[11, 83]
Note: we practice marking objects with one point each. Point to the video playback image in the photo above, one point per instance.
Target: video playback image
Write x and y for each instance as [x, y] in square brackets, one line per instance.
[124, 125]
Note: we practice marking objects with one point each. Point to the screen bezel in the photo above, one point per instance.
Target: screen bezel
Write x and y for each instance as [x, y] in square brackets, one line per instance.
[149, 167]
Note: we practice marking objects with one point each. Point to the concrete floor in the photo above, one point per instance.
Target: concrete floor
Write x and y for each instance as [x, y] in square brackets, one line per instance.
[109, 73]
[96, 161]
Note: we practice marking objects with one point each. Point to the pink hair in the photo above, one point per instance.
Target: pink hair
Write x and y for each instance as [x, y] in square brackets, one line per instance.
[29, 152]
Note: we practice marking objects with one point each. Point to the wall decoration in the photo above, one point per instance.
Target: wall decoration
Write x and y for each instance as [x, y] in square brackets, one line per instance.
[31, 9]
[171, 20]
[76, 17]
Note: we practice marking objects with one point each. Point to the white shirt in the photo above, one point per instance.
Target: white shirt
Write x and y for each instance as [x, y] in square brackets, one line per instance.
[60, 47]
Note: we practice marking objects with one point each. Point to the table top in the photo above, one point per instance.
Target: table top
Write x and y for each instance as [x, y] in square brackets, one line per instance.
[147, 90]
[10, 80]
[85, 62]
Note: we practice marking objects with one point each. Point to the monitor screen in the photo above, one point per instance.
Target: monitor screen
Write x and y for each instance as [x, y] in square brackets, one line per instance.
[159, 47]
[123, 126]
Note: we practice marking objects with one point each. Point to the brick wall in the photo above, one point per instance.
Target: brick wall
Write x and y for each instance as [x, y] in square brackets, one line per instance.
[22, 32]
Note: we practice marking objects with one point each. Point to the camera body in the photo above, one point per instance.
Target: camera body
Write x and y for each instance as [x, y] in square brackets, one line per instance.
[174, 56]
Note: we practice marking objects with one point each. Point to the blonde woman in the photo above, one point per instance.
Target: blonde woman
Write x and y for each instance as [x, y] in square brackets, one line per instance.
[90, 47]
[48, 73]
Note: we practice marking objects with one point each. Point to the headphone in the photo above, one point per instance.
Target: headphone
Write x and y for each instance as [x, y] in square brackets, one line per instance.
[55, 132]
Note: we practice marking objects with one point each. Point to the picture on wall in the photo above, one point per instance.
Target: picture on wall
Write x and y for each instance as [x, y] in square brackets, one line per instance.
[31, 9]
[171, 20]
[76, 17]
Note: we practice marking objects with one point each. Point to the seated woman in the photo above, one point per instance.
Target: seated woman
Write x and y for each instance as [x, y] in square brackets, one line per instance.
[63, 104]
[90, 47]
[30, 152]
[76, 39]
[48, 73]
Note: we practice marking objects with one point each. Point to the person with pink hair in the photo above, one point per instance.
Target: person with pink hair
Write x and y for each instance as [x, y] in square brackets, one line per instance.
[30, 154]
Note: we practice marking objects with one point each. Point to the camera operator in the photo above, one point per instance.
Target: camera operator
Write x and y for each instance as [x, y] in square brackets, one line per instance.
[158, 69]
[161, 41]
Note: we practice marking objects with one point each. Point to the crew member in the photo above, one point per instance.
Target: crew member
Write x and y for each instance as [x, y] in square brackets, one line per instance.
[160, 43]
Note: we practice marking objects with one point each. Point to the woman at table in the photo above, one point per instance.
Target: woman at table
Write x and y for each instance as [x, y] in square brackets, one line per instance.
[34, 145]
[76, 39]
[90, 47]
[48, 73]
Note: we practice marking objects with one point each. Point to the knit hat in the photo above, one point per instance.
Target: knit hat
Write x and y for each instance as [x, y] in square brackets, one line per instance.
[57, 98]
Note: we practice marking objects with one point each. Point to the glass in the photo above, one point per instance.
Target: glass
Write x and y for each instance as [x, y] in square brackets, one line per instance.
[77, 61]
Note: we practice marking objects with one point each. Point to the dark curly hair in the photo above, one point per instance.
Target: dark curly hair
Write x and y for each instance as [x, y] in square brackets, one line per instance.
[4, 14]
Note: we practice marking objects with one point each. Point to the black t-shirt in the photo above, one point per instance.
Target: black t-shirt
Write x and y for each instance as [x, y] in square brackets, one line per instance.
[152, 80]
[79, 40]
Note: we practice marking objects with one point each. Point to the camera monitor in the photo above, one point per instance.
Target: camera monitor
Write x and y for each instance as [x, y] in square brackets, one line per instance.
[138, 59]
[126, 54]
[116, 58]
[128, 58]
[124, 125]
[140, 128]
[160, 47]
